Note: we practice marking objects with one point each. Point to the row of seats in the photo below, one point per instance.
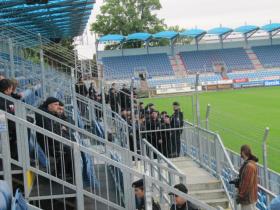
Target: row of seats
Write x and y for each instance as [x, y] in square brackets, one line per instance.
[191, 79]
[269, 56]
[254, 74]
[125, 66]
[234, 59]
[203, 60]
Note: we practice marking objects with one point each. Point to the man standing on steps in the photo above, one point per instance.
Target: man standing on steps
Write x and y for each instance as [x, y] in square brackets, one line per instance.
[140, 196]
[248, 180]
[181, 203]
[177, 121]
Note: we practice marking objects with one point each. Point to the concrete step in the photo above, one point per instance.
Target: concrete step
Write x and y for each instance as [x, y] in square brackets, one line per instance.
[222, 202]
[201, 184]
[209, 194]
[204, 186]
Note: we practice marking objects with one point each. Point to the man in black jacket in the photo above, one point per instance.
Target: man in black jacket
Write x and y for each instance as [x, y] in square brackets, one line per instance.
[6, 87]
[114, 99]
[125, 100]
[152, 128]
[165, 138]
[177, 122]
[181, 203]
[50, 106]
[140, 196]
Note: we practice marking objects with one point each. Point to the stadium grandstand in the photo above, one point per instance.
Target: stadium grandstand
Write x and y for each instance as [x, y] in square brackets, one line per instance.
[75, 134]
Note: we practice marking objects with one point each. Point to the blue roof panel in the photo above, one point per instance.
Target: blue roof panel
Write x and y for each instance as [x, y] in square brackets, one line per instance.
[220, 31]
[166, 35]
[194, 33]
[271, 27]
[54, 19]
[246, 29]
[112, 38]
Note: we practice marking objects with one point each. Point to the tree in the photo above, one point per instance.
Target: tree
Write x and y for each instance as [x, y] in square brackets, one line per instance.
[180, 40]
[128, 16]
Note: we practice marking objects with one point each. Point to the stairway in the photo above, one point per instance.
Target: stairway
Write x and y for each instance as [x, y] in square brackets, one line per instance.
[254, 59]
[201, 184]
[178, 65]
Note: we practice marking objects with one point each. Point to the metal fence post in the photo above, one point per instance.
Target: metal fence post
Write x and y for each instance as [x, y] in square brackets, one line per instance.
[133, 117]
[197, 100]
[207, 116]
[12, 63]
[78, 177]
[5, 147]
[22, 145]
[217, 156]
[148, 193]
[43, 77]
[264, 150]
[104, 109]
[74, 97]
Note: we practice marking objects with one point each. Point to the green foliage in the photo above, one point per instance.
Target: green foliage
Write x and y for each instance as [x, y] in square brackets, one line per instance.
[128, 16]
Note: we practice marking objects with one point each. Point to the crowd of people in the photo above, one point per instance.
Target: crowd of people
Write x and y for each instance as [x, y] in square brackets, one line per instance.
[160, 129]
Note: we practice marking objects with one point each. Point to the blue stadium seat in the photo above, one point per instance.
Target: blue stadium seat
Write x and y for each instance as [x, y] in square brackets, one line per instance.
[269, 56]
[122, 67]
[202, 61]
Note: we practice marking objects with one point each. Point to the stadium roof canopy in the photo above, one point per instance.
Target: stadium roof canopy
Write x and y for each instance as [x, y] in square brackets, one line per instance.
[220, 31]
[139, 36]
[166, 35]
[197, 34]
[50, 18]
[112, 38]
[193, 33]
[246, 29]
[271, 27]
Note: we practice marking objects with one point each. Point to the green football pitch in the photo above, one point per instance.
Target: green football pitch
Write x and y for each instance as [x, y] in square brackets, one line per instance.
[239, 116]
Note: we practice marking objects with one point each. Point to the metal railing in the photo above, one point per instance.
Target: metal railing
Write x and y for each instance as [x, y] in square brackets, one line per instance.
[208, 150]
[59, 189]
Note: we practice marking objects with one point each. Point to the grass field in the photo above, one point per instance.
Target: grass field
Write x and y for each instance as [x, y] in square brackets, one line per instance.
[239, 116]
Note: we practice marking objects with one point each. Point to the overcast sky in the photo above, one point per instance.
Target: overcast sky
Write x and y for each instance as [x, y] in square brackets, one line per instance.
[205, 14]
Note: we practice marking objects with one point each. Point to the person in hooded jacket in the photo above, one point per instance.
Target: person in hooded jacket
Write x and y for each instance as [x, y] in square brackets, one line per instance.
[248, 180]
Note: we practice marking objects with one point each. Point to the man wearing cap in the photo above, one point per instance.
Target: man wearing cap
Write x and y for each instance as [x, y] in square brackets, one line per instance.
[177, 121]
[180, 202]
[140, 196]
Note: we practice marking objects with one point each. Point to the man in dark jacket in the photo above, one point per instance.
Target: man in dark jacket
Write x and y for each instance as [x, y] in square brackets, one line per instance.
[165, 133]
[92, 92]
[82, 90]
[114, 99]
[6, 88]
[125, 100]
[181, 203]
[177, 121]
[140, 196]
[153, 126]
[51, 147]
